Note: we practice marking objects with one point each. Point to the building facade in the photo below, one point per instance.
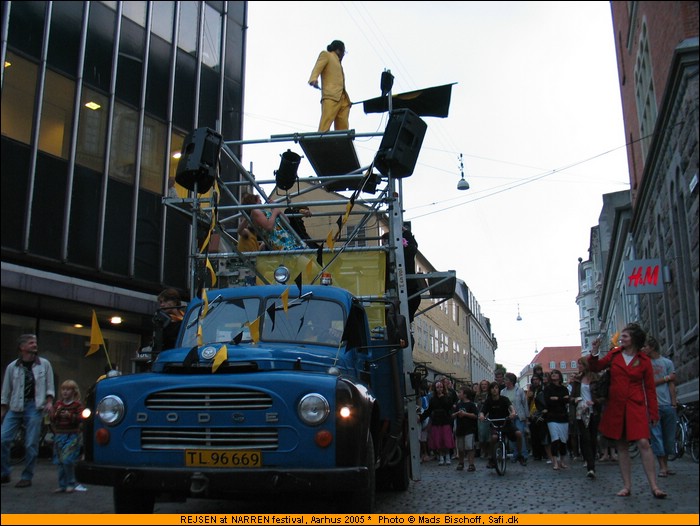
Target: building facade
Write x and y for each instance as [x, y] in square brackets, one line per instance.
[657, 51]
[97, 98]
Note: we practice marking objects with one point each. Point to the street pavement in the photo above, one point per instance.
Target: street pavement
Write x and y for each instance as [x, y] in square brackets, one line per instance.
[533, 489]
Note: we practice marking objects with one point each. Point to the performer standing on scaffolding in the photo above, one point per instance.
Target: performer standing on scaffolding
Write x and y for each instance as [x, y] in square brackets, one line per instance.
[335, 101]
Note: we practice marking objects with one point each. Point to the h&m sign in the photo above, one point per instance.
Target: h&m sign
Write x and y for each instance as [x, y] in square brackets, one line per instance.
[643, 276]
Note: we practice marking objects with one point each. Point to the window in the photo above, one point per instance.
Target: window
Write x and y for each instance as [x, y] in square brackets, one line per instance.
[92, 129]
[152, 160]
[124, 134]
[552, 365]
[189, 24]
[56, 115]
[18, 98]
[211, 43]
[562, 364]
[574, 364]
[644, 91]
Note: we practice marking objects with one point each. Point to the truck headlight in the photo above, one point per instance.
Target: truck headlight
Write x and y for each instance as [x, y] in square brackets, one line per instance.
[110, 410]
[313, 409]
[281, 274]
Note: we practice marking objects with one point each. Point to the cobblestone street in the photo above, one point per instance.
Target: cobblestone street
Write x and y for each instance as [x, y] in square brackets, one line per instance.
[442, 489]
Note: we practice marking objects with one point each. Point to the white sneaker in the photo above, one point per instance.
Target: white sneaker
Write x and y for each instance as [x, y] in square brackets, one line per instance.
[80, 487]
[442, 461]
[448, 461]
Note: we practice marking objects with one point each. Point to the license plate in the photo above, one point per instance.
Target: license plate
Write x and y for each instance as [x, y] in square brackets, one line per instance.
[223, 458]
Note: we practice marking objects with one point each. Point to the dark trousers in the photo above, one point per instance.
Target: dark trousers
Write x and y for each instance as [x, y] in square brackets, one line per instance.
[539, 435]
[589, 440]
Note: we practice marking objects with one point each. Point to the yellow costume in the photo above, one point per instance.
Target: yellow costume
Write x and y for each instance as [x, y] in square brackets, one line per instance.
[335, 101]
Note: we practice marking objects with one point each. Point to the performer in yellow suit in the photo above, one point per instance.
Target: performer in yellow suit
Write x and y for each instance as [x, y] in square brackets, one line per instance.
[335, 102]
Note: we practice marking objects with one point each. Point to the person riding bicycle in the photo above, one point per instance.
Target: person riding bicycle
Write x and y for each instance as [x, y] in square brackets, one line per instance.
[499, 407]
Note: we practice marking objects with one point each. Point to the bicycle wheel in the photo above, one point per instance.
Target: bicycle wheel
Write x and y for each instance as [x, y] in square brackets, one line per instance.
[678, 442]
[694, 442]
[501, 457]
[17, 451]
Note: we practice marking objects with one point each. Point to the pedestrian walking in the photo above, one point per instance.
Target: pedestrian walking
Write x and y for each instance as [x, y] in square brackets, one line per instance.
[66, 420]
[27, 393]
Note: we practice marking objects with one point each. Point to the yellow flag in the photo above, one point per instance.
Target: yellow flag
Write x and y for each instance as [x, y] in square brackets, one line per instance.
[211, 272]
[330, 242]
[615, 340]
[205, 304]
[285, 299]
[221, 357]
[199, 334]
[254, 327]
[96, 339]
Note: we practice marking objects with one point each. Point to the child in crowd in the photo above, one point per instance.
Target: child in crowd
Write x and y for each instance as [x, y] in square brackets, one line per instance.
[66, 419]
[465, 414]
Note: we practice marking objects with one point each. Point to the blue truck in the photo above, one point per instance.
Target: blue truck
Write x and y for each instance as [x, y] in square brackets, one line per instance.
[271, 388]
[274, 385]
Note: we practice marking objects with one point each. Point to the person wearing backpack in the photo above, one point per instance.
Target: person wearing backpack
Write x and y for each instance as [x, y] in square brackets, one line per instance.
[631, 405]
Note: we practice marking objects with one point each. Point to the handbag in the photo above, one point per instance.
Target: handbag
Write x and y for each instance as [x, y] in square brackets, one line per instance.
[602, 386]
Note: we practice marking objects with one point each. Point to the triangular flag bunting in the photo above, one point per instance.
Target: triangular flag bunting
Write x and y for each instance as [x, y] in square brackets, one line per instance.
[285, 299]
[271, 313]
[96, 339]
[297, 280]
[221, 357]
[191, 358]
[254, 327]
[205, 304]
[211, 272]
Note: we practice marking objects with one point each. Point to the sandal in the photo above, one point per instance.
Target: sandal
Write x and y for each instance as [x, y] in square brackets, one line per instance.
[659, 494]
[624, 492]
[663, 474]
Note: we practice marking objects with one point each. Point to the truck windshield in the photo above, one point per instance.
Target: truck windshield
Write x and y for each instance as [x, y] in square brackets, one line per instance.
[308, 320]
[224, 321]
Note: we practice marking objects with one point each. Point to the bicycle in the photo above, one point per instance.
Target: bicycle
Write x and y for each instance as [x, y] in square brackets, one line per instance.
[17, 448]
[687, 437]
[500, 451]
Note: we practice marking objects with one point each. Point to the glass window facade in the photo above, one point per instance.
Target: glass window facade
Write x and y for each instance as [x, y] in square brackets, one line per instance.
[88, 155]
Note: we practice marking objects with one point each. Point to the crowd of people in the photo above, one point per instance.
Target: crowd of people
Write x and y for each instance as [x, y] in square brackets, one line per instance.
[552, 421]
[560, 422]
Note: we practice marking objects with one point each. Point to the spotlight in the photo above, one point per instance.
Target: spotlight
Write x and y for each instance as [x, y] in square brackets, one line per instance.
[287, 173]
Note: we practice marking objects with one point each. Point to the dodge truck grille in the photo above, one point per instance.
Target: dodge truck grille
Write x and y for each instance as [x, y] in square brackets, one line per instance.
[207, 399]
[215, 438]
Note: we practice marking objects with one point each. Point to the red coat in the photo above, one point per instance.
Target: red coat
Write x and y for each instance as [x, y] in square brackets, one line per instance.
[632, 399]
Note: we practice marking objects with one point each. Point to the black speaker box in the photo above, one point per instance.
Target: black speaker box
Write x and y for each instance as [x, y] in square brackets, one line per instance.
[199, 163]
[401, 143]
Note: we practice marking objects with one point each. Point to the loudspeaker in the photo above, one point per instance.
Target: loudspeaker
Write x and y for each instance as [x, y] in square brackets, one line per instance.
[401, 144]
[199, 163]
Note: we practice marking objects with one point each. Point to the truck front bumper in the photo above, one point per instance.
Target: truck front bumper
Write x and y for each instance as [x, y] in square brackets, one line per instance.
[203, 483]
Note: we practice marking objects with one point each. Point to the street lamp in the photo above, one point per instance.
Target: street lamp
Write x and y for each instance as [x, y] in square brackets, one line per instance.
[462, 184]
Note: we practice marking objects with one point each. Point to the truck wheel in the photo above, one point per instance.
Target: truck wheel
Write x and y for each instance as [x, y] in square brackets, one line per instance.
[401, 473]
[364, 499]
[133, 501]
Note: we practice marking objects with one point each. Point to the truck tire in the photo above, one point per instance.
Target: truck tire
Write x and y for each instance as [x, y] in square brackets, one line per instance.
[132, 501]
[401, 473]
[363, 500]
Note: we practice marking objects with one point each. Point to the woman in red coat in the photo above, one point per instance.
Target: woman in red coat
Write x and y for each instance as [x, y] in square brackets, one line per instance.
[631, 403]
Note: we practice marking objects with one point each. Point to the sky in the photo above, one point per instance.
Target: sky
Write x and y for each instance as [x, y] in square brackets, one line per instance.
[535, 114]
